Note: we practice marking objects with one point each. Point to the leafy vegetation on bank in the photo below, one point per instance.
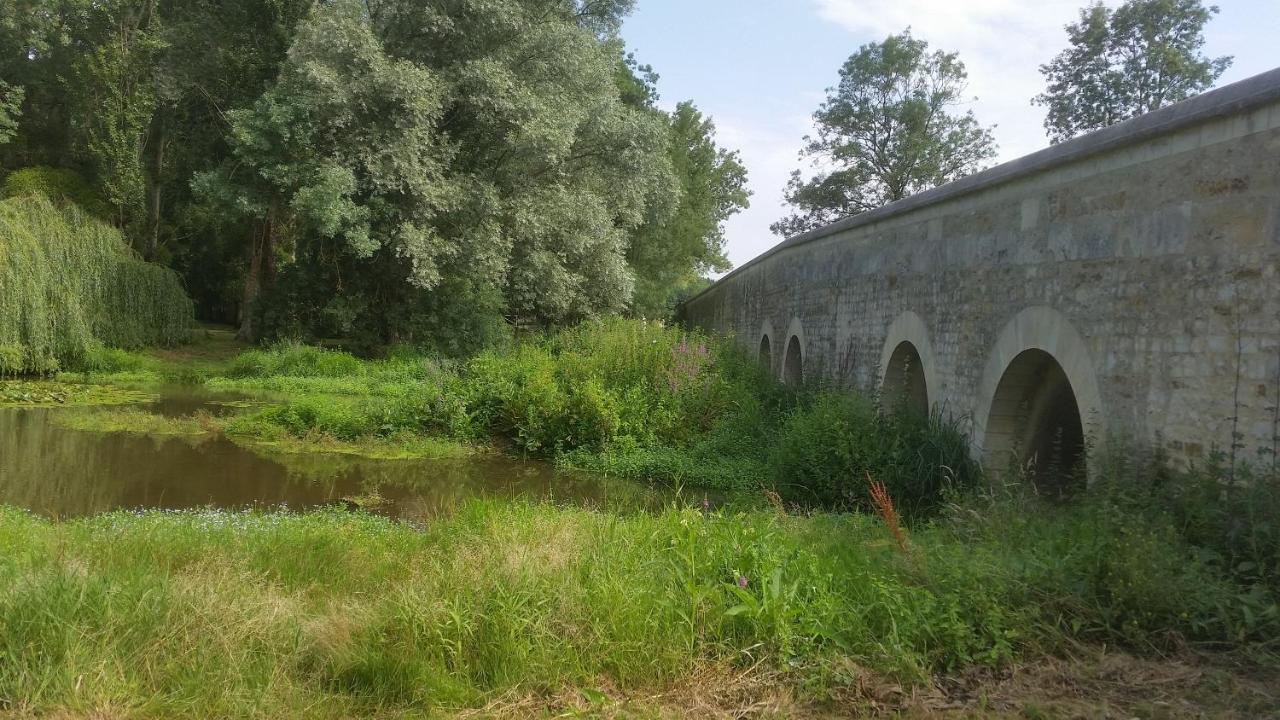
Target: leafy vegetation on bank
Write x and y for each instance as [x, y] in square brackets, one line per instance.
[252, 615]
[623, 397]
[69, 285]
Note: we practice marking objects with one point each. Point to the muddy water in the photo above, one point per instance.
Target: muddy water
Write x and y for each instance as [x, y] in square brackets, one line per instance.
[60, 472]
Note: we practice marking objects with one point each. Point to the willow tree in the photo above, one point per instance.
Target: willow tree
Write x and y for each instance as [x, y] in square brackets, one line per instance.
[681, 243]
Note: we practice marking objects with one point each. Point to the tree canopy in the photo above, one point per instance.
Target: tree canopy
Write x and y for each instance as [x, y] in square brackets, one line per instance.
[1125, 62]
[889, 129]
[386, 170]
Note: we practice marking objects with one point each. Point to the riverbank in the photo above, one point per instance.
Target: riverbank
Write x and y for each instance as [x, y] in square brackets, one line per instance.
[943, 591]
[619, 397]
[516, 610]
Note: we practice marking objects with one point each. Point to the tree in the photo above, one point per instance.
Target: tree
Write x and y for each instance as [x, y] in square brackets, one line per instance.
[10, 110]
[561, 170]
[343, 151]
[421, 166]
[1126, 62]
[675, 249]
[888, 130]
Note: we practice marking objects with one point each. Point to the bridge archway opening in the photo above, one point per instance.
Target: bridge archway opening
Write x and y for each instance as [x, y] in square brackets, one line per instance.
[904, 386]
[793, 363]
[1035, 425]
[766, 354]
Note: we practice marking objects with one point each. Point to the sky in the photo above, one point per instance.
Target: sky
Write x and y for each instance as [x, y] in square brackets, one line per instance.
[760, 68]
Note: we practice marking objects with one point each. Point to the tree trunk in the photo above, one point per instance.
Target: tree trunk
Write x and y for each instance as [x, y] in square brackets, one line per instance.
[155, 164]
[261, 273]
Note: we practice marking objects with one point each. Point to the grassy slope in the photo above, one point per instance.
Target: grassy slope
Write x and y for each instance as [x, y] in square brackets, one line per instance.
[518, 609]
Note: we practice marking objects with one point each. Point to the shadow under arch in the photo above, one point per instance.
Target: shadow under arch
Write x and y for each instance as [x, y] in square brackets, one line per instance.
[794, 354]
[764, 351]
[1038, 400]
[904, 385]
[908, 371]
[793, 364]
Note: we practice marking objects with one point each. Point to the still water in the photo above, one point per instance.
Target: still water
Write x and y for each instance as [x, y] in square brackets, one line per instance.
[59, 472]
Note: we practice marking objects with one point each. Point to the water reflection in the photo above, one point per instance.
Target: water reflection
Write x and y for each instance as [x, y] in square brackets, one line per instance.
[60, 472]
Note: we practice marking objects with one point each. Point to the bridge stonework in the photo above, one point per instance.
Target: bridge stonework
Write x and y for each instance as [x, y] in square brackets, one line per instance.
[1132, 273]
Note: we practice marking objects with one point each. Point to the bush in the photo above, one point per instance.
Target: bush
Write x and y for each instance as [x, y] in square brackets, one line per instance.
[293, 359]
[101, 359]
[827, 450]
[1111, 568]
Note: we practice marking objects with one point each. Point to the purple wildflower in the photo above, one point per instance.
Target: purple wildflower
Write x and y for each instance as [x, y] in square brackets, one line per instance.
[742, 582]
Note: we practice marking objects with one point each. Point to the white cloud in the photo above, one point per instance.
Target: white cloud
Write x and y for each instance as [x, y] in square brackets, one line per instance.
[1001, 42]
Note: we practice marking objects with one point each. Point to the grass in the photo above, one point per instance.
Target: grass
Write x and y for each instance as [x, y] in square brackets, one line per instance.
[134, 420]
[331, 614]
[516, 609]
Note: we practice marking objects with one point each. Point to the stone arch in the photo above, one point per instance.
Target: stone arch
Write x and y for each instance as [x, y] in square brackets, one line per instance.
[765, 352]
[908, 371]
[793, 356]
[1038, 398]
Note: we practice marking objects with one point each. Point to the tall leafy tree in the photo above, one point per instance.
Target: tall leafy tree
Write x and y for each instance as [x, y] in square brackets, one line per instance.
[1125, 62]
[560, 170]
[396, 169]
[85, 67]
[889, 129]
[342, 155]
[450, 152]
[681, 243]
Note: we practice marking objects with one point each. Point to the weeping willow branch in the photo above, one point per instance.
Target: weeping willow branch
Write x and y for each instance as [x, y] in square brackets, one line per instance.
[69, 282]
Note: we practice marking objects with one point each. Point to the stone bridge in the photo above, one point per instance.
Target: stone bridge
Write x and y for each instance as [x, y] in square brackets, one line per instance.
[1119, 285]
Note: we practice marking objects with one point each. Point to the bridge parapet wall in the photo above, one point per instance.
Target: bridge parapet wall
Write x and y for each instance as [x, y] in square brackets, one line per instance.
[1144, 259]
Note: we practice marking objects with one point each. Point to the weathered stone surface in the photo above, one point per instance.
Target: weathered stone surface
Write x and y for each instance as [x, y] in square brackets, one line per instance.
[1143, 258]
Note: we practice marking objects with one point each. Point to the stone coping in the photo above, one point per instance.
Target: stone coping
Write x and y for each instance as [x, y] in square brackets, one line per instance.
[1230, 99]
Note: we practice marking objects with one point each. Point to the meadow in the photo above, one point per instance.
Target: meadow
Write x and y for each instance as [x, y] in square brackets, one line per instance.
[516, 609]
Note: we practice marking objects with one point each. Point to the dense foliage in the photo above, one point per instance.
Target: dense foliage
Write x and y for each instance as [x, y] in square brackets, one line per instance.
[69, 284]
[888, 130]
[624, 397]
[386, 171]
[1127, 61]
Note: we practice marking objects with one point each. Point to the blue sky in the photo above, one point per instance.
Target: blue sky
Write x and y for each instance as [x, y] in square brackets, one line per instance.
[760, 68]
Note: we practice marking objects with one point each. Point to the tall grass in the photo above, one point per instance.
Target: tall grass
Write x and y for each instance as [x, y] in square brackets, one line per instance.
[209, 614]
[70, 285]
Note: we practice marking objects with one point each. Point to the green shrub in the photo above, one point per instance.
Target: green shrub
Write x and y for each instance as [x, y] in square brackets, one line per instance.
[1109, 569]
[294, 359]
[69, 284]
[828, 449]
[101, 359]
